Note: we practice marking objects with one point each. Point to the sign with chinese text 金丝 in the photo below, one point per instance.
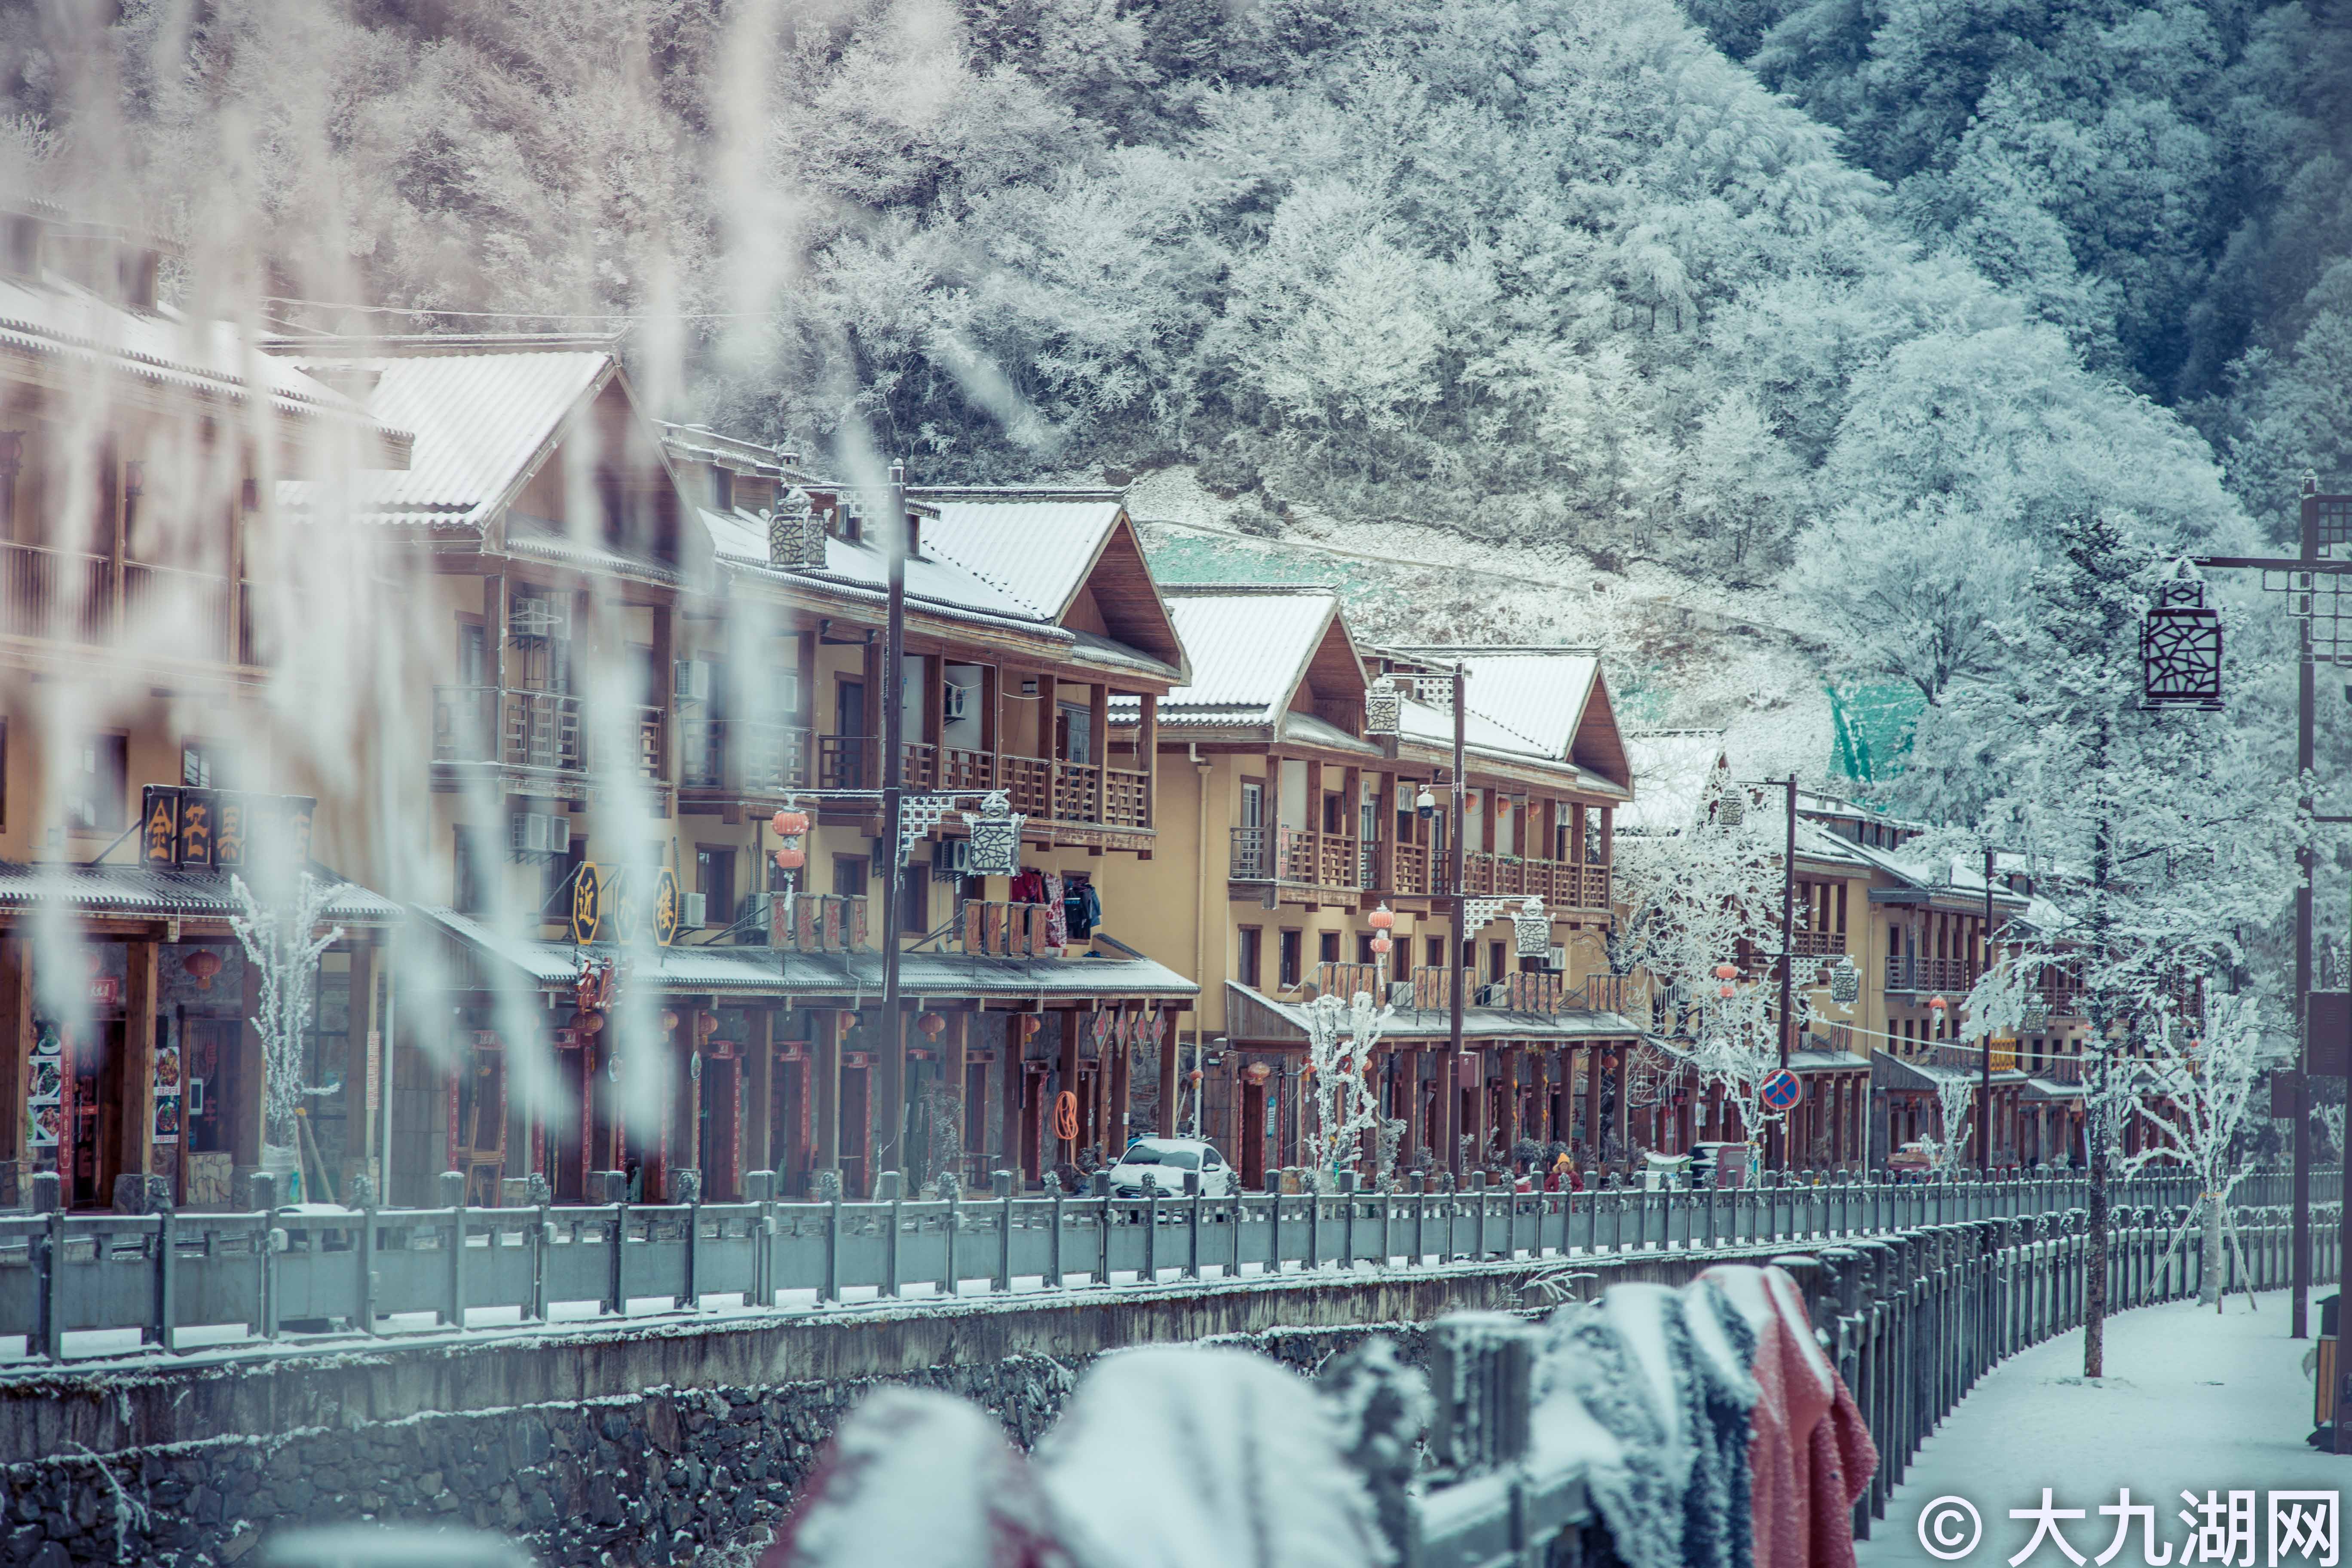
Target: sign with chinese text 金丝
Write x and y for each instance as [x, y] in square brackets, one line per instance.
[182, 829]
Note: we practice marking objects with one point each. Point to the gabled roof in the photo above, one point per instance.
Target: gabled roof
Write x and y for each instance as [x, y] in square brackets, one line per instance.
[482, 420]
[1045, 547]
[1548, 702]
[62, 321]
[1670, 770]
[1250, 646]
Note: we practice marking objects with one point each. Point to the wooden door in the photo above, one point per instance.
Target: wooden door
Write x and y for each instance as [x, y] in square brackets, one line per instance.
[1251, 1156]
[788, 1125]
[722, 1129]
[856, 1133]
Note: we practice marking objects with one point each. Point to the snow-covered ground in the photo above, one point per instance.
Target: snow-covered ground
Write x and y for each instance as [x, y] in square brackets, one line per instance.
[2193, 1401]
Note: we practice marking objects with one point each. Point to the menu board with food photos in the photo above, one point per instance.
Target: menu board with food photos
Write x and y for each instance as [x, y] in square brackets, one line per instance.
[45, 1104]
[168, 1079]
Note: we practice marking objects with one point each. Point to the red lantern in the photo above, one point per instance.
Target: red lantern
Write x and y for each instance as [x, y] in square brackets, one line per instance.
[789, 824]
[1725, 972]
[1194, 1075]
[588, 1022]
[931, 1024]
[1256, 1072]
[1029, 1025]
[845, 1020]
[1937, 1003]
[1382, 944]
[668, 1022]
[790, 857]
[202, 966]
[1381, 920]
[1727, 992]
[706, 1024]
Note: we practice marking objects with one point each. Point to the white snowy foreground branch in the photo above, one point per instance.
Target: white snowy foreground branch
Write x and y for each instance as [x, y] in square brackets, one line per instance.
[1341, 1039]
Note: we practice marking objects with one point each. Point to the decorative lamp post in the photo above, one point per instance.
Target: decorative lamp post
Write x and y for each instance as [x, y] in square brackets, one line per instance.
[1531, 927]
[2037, 1011]
[1731, 805]
[2180, 648]
[1845, 982]
[995, 832]
[1383, 708]
[1424, 804]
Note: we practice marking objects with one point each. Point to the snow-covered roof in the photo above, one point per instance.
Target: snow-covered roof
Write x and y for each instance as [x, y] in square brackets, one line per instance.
[480, 419]
[1535, 694]
[1670, 774]
[1289, 1021]
[1035, 546]
[1249, 646]
[138, 889]
[59, 319]
[1954, 876]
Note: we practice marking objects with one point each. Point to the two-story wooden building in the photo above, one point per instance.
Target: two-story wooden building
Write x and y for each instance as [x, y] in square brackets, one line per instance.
[1286, 827]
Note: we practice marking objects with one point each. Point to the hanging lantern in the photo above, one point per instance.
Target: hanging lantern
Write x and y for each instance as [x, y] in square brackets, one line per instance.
[1470, 801]
[789, 824]
[706, 1024]
[1731, 805]
[202, 966]
[1532, 928]
[1725, 972]
[1424, 804]
[1936, 1004]
[1845, 982]
[845, 1020]
[1256, 1072]
[1380, 946]
[2180, 649]
[1383, 708]
[1194, 1076]
[995, 838]
[668, 1022]
[1030, 1024]
[1727, 991]
[932, 1024]
[1381, 920]
[790, 857]
[2037, 1010]
[586, 1022]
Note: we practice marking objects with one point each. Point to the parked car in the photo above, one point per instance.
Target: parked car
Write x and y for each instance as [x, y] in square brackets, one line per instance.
[1166, 1161]
[1666, 1172]
[1912, 1161]
[1722, 1165]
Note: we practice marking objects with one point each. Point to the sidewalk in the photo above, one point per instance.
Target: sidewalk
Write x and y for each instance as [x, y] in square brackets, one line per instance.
[2192, 1402]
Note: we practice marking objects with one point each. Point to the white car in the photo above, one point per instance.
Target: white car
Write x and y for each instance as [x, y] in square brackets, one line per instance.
[1166, 1161]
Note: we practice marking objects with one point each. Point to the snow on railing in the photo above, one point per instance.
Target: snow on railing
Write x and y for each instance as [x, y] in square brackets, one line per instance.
[82, 1286]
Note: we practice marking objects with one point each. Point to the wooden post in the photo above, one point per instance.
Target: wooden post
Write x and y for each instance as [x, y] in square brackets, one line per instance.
[1009, 1111]
[1115, 1117]
[1592, 1103]
[825, 1085]
[15, 1066]
[1067, 1020]
[1098, 724]
[246, 1104]
[359, 1127]
[1625, 1102]
[955, 1064]
[756, 1097]
[136, 1150]
[1147, 760]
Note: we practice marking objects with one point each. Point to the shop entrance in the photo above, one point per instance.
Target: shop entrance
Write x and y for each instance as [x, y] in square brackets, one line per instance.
[856, 1128]
[89, 1152]
[722, 1126]
[1253, 1148]
[788, 1119]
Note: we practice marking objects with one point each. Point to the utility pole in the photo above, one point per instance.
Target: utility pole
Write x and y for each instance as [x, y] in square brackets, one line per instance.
[1984, 1057]
[1788, 962]
[892, 1155]
[1450, 1101]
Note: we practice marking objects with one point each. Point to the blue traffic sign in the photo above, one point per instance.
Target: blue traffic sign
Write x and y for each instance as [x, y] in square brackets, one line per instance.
[1781, 1090]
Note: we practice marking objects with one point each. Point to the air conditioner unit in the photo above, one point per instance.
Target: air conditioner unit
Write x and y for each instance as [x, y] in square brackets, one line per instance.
[528, 615]
[950, 859]
[752, 921]
[693, 909]
[1555, 958]
[1495, 994]
[955, 702]
[1399, 992]
[541, 832]
[692, 682]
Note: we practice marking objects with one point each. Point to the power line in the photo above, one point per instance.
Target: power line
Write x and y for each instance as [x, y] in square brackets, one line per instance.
[525, 315]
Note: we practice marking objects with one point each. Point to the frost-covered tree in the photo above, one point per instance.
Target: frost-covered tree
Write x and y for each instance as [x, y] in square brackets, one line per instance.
[283, 942]
[2192, 1095]
[1341, 1104]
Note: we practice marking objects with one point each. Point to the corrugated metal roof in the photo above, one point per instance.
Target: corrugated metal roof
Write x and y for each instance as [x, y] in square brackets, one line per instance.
[1248, 647]
[1477, 1023]
[739, 971]
[477, 419]
[205, 356]
[1432, 725]
[139, 891]
[1537, 694]
[1033, 545]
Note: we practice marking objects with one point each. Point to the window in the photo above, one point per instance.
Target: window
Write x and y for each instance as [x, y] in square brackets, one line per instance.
[714, 879]
[1246, 967]
[473, 655]
[1432, 952]
[1496, 966]
[915, 905]
[722, 489]
[98, 795]
[1363, 947]
[204, 765]
[1288, 972]
[1327, 947]
[1074, 729]
[849, 875]
[1335, 819]
[469, 890]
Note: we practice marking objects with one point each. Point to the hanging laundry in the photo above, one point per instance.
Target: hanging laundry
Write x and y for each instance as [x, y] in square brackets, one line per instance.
[1057, 913]
[1028, 888]
[1589, 1385]
[1809, 1455]
[1719, 1515]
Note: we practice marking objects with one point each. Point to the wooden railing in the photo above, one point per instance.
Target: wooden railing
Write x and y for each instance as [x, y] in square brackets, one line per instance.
[1561, 884]
[1334, 978]
[1817, 944]
[540, 729]
[1040, 788]
[55, 593]
[744, 756]
[1253, 857]
[191, 604]
[1005, 930]
[1906, 973]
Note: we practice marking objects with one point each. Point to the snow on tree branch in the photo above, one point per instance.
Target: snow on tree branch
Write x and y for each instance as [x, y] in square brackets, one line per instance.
[1340, 1039]
[281, 943]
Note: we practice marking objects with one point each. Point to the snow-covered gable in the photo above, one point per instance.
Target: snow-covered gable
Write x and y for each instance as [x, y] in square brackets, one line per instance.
[1070, 556]
[1270, 656]
[1549, 704]
[1670, 770]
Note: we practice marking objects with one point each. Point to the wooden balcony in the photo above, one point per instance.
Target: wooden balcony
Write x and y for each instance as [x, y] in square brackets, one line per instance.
[743, 759]
[1949, 977]
[1561, 884]
[537, 732]
[997, 930]
[1042, 789]
[56, 593]
[1300, 862]
[1817, 944]
[1544, 993]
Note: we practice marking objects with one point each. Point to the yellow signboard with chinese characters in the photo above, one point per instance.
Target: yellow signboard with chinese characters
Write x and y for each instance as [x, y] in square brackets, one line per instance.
[665, 912]
[587, 903]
